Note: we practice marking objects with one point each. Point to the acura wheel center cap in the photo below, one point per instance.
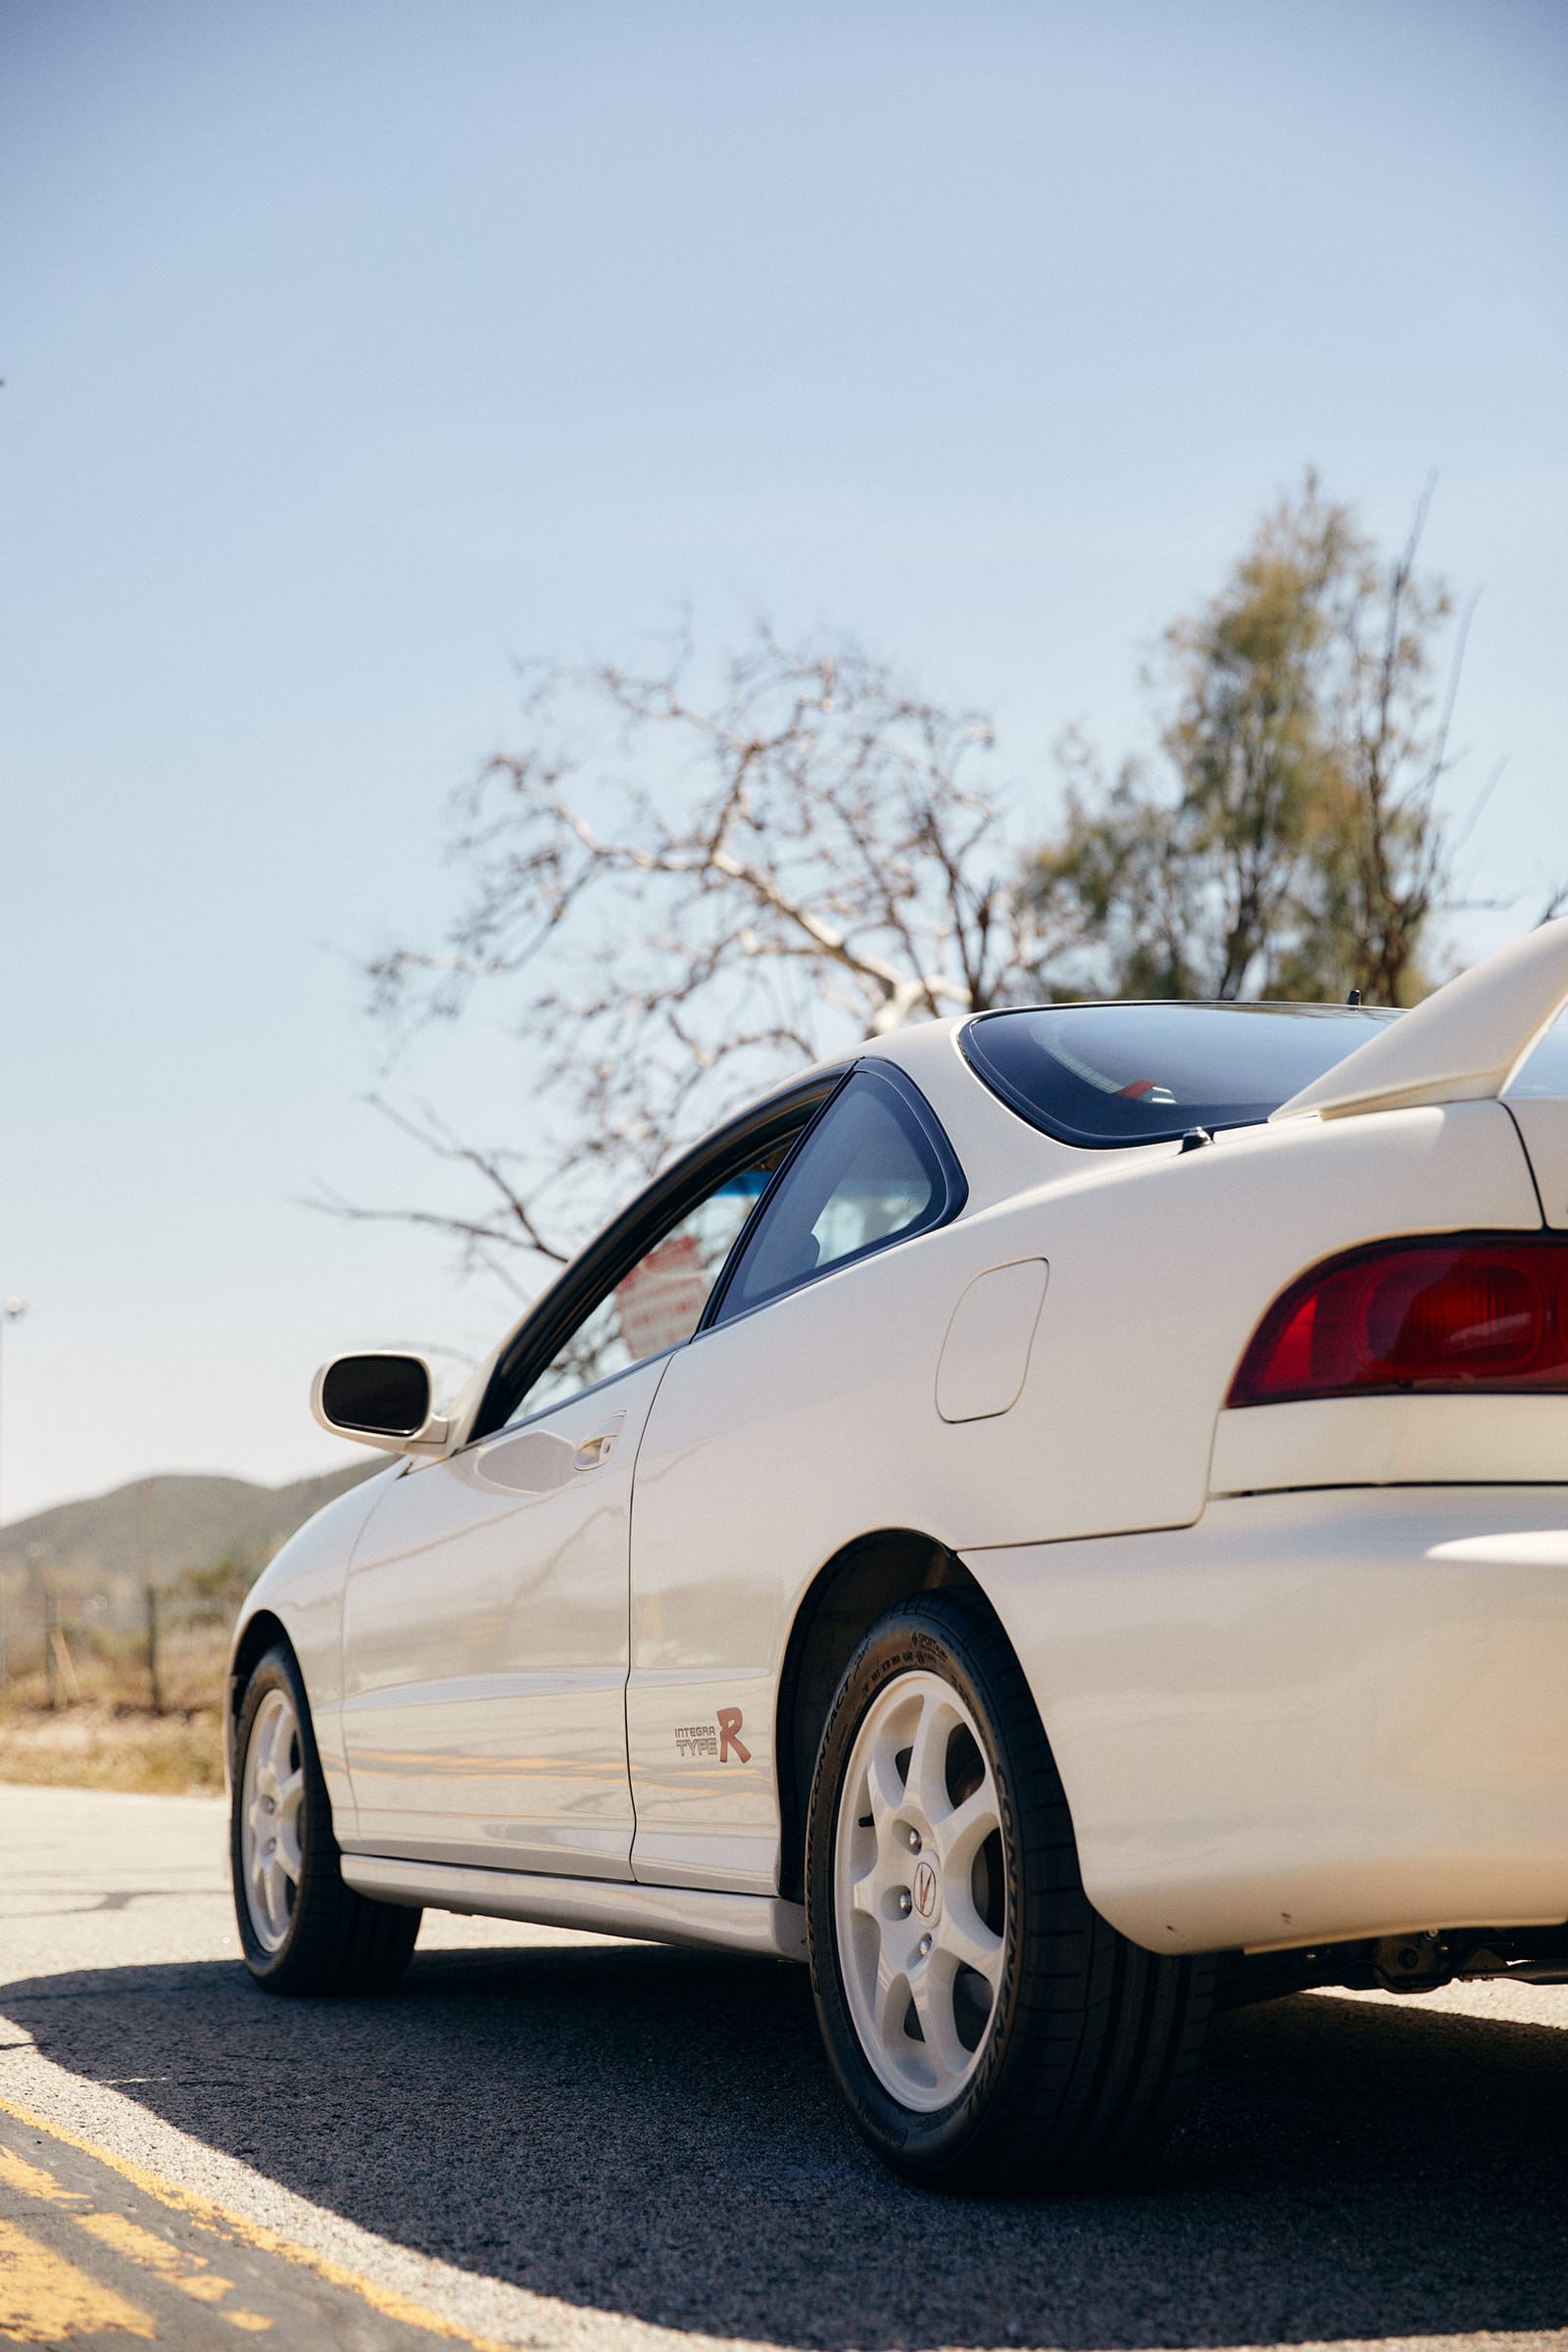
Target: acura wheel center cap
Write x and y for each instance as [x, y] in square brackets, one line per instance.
[927, 1891]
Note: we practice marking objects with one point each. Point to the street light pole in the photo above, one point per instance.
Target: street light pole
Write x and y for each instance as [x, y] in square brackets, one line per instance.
[11, 1310]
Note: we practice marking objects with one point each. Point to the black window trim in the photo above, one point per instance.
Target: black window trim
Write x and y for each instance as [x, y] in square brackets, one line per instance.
[955, 1194]
[594, 1272]
[1022, 1106]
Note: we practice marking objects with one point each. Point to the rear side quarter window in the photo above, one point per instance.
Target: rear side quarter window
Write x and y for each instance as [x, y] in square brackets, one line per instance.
[874, 1170]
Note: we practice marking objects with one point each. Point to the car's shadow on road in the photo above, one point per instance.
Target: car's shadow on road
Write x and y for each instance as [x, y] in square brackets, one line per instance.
[655, 2132]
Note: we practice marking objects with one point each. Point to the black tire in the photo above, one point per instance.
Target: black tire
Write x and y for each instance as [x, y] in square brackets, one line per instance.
[334, 1940]
[1091, 2042]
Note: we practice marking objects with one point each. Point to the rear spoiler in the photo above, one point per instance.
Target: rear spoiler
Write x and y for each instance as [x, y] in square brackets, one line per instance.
[1462, 1045]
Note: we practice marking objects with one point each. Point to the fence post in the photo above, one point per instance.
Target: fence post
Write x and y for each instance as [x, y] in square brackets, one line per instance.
[57, 1654]
[154, 1684]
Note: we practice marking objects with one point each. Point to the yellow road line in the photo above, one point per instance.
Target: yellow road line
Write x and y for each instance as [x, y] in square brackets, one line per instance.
[124, 2236]
[31, 2181]
[208, 2214]
[46, 2300]
[188, 2272]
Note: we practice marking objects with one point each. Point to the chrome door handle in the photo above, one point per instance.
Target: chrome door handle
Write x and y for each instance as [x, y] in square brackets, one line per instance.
[598, 1448]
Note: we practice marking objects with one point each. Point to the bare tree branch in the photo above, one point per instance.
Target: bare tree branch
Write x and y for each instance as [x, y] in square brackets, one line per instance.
[681, 894]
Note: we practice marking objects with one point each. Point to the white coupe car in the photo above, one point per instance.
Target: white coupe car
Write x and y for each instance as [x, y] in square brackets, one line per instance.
[1055, 1519]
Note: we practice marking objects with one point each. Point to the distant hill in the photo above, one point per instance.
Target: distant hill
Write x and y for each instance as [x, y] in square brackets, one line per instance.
[95, 1545]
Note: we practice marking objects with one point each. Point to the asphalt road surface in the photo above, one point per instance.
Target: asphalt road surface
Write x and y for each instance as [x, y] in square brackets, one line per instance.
[548, 2140]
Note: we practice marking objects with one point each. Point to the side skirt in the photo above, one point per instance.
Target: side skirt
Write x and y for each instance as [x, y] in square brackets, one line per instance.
[736, 1923]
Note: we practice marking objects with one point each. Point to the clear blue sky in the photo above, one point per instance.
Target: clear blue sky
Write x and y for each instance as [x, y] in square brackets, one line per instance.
[352, 350]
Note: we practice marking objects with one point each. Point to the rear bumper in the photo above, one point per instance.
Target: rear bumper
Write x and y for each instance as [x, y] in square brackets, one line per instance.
[1309, 1717]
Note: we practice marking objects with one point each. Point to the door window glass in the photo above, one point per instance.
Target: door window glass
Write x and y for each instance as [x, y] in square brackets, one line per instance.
[866, 1175]
[659, 1302]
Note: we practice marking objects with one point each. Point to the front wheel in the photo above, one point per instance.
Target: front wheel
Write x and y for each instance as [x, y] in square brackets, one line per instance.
[988, 2028]
[300, 1928]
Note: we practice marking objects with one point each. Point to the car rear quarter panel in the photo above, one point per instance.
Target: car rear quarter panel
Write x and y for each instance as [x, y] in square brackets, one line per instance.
[1309, 1717]
[1160, 1268]
[1542, 1122]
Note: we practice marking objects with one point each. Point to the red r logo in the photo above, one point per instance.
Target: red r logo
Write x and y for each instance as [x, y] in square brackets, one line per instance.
[730, 1737]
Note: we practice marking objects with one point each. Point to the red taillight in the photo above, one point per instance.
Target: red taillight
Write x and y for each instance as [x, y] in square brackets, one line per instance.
[1465, 1313]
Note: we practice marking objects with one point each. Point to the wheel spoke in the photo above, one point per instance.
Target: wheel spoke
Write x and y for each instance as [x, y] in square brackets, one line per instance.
[927, 1785]
[932, 1988]
[964, 1936]
[883, 1787]
[263, 1877]
[865, 1891]
[891, 2001]
[960, 1832]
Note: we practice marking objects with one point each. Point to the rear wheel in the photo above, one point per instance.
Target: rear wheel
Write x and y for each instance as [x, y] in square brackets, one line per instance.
[300, 1928]
[988, 2028]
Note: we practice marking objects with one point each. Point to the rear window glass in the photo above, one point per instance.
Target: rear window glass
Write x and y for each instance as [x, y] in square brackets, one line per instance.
[1109, 1074]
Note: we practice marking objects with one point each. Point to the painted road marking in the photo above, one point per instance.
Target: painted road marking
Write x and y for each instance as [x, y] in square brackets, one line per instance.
[31, 2181]
[188, 2272]
[41, 2292]
[46, 2300]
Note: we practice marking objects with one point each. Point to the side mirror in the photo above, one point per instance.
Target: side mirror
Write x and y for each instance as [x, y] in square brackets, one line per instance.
[382, 1400]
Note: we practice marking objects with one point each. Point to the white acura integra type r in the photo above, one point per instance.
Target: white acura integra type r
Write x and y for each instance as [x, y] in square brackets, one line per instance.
[1057, 1519]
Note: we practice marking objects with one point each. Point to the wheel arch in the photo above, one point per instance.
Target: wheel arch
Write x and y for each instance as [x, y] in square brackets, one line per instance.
[259, 1634]
[849, 1591]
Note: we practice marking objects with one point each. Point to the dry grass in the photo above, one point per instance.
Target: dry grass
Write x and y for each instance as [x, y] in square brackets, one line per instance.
[104, 1733]
[91, 1746]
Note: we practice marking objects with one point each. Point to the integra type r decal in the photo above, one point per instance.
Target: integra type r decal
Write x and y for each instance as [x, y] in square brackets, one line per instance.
[721, 1739]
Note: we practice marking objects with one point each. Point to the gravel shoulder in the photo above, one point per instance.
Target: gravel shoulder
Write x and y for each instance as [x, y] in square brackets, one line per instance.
[550, 2140]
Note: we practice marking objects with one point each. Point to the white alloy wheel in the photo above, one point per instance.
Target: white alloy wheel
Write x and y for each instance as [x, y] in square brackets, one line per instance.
[920, 1892]
[270, 1798]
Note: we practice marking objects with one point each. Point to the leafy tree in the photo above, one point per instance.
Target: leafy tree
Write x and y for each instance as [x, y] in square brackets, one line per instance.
[1287, 840]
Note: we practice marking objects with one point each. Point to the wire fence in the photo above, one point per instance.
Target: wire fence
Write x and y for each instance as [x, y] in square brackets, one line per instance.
[154, 1648]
